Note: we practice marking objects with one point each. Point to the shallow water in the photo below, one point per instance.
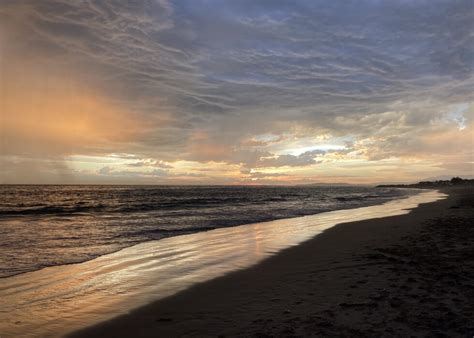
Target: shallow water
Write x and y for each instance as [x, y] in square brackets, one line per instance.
[44, 225]
[57, 300]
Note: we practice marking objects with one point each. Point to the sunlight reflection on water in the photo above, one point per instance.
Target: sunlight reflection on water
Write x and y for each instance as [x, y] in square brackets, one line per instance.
[56, 300]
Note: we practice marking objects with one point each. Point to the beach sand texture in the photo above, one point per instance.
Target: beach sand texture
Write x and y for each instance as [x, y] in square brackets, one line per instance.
[57, 300]
[405, 275]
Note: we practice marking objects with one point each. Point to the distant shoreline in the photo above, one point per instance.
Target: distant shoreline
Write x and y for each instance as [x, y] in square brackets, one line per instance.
[454, 182]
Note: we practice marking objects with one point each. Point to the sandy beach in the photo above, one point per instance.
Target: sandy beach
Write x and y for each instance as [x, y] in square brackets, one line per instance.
[95, 291]
[246, 168]
[404, 275]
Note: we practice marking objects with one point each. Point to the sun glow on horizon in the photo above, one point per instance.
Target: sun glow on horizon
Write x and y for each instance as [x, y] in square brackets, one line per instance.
[158, 97]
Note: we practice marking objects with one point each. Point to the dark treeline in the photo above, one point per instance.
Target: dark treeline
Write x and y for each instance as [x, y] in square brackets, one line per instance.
[455, 181]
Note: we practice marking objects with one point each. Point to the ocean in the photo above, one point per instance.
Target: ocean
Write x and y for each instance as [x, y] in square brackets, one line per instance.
[47, 228]
[47, 225]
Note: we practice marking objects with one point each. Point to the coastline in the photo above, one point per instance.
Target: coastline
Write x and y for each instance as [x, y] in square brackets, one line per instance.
[349, 280]
[17, 266]
[80, 295]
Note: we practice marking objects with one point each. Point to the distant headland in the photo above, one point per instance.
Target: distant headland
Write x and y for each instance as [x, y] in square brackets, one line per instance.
[453, 182]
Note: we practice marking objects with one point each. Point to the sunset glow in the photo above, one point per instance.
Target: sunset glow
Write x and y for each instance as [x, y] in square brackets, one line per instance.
[221, 92]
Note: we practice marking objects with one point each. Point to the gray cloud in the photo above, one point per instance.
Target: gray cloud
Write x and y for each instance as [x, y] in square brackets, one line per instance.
[386, 70]
[248, 53]
[150, 163]
[111, 172]
[288, 160]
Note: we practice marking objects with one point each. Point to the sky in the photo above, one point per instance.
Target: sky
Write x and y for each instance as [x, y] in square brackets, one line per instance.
[235, 91]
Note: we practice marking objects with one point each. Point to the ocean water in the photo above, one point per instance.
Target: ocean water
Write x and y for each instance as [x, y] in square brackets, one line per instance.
[57, 300]
[49, 225]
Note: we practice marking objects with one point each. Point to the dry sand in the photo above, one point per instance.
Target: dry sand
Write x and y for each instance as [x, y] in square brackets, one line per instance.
[396, 276]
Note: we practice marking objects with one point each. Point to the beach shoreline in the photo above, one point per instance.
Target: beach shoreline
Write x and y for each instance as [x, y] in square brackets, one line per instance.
[84, 294]
[359, 278]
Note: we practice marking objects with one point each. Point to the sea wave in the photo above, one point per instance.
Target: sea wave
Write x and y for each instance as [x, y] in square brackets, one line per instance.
[65, 224]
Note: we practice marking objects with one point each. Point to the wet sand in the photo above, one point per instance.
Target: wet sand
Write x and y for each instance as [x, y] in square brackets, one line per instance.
[404, 275]
[58, 300]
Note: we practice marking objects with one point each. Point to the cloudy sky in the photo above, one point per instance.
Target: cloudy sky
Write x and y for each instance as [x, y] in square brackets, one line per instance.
[236, 91]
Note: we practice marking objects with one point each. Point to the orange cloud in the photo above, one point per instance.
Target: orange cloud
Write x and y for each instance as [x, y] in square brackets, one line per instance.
[51, 114]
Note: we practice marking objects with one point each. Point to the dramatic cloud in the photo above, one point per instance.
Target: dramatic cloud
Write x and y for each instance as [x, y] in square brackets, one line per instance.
[159, 91]
[307, 158]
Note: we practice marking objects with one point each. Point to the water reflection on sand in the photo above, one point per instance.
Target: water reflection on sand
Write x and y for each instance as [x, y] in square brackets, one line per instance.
[54, 301]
